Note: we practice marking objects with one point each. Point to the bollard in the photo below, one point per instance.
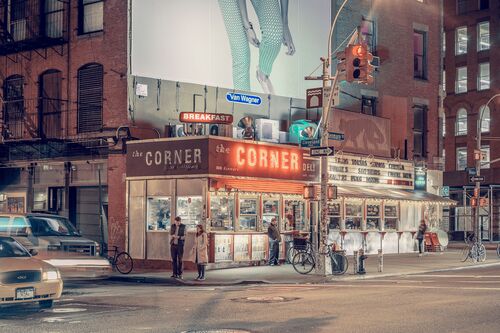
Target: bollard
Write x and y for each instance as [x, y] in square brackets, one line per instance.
[362, 258]
[355, 266]
[380, 261]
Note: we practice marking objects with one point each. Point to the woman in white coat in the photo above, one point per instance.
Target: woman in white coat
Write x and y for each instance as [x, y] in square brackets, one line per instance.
[200, 251]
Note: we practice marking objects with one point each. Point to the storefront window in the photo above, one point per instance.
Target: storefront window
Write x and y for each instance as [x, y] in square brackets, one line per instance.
[372, 217]
[295, 215]
[223, 248]
[222, 212]
[334, 215]
[391, 217]
[190, 210]
[248, 214]
[270, 209]
[158, 213]
[354, 216]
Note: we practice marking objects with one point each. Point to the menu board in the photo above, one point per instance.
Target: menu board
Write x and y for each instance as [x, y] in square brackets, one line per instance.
[223, 248]
[241, 247]
[259, 247]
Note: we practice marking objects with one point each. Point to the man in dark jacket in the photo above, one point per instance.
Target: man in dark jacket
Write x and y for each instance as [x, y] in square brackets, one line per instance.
[422, 228]
[177, 237]
[274, 242]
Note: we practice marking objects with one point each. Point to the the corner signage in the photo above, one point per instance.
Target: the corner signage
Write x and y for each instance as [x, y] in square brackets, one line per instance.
[420, 180]
[214, 156]
[336, 136]
[308, 143]
[322, 151]
[474, 179]
[243, 99]
[206, 118]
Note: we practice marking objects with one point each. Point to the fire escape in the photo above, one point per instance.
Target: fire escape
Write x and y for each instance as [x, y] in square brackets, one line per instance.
[32, 128]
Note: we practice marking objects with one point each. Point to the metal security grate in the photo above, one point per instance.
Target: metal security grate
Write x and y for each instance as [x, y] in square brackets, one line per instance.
[90, 98]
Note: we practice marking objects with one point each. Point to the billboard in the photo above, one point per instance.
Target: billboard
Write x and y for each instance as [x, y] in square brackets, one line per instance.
[261, 46]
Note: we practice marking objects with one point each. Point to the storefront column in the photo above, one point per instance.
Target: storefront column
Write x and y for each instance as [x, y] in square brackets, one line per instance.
[30, 192]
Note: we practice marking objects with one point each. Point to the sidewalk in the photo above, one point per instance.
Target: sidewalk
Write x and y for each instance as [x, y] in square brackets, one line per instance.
[394, 265]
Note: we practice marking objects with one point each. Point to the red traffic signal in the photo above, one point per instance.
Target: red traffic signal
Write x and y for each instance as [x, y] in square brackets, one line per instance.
[358, 67]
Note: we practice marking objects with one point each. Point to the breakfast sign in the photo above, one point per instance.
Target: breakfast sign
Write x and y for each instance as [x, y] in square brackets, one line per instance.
[217, 156]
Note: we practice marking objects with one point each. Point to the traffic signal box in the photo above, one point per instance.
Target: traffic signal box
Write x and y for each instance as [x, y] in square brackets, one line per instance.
[354, 64]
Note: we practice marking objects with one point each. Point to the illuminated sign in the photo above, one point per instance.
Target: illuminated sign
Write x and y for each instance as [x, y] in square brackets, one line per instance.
[206, 118]
[243, 99]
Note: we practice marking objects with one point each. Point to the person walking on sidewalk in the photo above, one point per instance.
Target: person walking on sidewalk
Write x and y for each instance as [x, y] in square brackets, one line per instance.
[274, 243]
[177, 237]
[200, 251]
[422, 228]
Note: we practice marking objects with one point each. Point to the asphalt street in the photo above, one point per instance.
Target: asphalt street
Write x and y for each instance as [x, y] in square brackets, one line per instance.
[455, 301]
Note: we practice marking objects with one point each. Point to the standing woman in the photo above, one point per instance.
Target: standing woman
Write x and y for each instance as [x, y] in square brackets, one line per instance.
[200, 250]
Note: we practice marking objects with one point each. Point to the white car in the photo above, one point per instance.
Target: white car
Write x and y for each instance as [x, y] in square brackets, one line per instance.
[24, 279]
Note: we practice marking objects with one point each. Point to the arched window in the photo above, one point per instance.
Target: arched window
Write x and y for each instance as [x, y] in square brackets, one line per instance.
[13, 106]
[49, 107]
[461, 122]
[486, 119]
[90, 98]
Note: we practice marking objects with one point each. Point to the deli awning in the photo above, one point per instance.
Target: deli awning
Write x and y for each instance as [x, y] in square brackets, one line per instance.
[391, 194]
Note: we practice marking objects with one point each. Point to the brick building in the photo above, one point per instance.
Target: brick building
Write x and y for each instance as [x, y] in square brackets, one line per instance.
[472, 59]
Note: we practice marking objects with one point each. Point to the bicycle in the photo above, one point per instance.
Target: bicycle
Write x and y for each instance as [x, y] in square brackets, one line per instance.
[474, 250]
[303, 262]
[298, 244]
[121, 261]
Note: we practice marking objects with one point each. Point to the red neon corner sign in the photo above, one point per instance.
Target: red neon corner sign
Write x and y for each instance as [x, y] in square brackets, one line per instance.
[206, 118]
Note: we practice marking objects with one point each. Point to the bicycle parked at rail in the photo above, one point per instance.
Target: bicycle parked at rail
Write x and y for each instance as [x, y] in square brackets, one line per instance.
[121, 261]
[304, 261]
[498, 249]
[298, 244]
[474, 250]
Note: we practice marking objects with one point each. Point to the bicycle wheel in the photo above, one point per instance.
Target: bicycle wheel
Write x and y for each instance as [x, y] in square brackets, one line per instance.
[481, 251]
[339, 263]
[124, 263]
[303, 262]
[465, 254]
[290, 253]
[498, 250]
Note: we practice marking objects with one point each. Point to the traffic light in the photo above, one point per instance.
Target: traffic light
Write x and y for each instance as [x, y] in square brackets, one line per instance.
[358, 64]
[341, 66]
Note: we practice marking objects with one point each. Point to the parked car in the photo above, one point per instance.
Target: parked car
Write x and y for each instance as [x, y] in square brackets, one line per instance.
[26, 279]
[57, 242]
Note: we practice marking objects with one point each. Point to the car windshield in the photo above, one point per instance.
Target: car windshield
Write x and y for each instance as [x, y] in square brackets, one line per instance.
[52, 226]
[10, 248]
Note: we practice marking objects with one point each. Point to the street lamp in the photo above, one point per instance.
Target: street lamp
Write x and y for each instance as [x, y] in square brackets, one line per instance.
[478, 165]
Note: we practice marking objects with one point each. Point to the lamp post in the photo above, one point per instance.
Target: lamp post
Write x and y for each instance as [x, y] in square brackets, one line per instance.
[478, 167]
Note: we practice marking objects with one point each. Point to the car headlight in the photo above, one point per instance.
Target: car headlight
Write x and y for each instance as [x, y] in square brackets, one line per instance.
[51, 275]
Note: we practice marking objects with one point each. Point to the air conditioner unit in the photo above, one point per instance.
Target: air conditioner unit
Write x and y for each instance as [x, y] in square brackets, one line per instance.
[267, 130]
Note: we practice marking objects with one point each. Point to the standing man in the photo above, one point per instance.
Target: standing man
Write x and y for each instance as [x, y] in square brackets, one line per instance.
[177, 237]
[422, 228]
[274, 243]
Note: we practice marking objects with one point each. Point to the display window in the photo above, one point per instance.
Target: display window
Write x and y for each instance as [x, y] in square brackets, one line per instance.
[222, 212]
[373, 214]
[158, 213]
[334, 217]
[190, 209]
[223, 248]
[353, 215]
[241, 247]
[259, 247]
[391, 217]
[249, 208]
[295, 217]
[270, 210]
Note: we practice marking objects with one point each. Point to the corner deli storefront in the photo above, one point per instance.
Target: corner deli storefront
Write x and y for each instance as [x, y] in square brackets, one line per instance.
[233, 187]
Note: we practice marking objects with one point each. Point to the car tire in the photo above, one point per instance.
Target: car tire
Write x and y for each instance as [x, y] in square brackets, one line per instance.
[47, 304]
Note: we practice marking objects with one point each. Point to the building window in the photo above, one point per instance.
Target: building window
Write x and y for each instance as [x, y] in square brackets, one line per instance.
[485, 160]
[483, 76]
[369, 105]
[17, 19]
[420, 131]
[461, 40]
[484, 4]
[461, 80]
[483, 36]
[420, 55]
[461, 158]
[461, 122]
[486, 119]
[158, 213]
[367, 30]
[49, 116]
[462, 6]
[13, 106]
[90, 98]
[91, 13]
[53, 18]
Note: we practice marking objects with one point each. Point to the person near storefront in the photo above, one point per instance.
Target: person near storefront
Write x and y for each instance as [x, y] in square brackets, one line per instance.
[177, 237]
[422, 228]
[274, 242]
[200, 251]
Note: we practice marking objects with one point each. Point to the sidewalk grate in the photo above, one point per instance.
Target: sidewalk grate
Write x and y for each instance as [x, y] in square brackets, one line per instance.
[264, 299]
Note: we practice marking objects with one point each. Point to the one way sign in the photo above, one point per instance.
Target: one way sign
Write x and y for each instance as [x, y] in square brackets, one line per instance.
[322, 151]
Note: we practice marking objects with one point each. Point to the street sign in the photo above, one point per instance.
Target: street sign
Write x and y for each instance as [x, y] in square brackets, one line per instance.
[322, 151]
[471, 171]
[336, 136]
[309, 143]
[445, 191]
[474, 179]
[314, 98]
